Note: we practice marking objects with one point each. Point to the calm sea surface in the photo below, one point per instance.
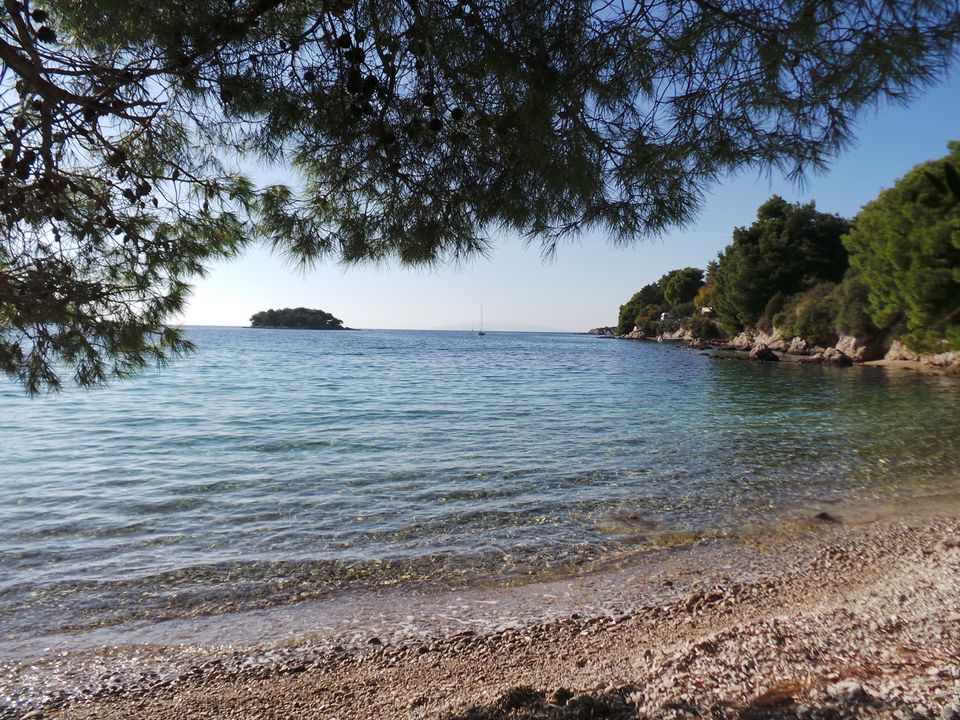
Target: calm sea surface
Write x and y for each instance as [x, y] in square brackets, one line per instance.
[274, 466]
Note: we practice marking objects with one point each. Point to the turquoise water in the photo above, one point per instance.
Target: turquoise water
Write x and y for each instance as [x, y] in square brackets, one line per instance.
[274, 466]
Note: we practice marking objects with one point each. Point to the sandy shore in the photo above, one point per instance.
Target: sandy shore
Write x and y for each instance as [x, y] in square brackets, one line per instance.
[866, 624]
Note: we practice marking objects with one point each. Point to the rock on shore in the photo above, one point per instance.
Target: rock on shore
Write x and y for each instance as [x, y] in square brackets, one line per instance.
[848, 350]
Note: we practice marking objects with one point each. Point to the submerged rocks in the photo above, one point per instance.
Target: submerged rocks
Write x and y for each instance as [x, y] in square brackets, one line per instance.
[827, 517]
[762, 353]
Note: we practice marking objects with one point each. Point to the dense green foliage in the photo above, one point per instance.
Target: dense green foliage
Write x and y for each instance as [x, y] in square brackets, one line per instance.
[643, 306]
[810, 315]
[413, 131]
[296, 318]
[702, 327]
[773, 308]
[905, 247]
[673, 293]
[789, 271]
[706, 296]
[851, 307]
[790, 247]
[680, 287]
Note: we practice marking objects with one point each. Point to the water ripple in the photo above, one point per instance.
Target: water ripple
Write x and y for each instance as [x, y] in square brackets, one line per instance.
[279, 465]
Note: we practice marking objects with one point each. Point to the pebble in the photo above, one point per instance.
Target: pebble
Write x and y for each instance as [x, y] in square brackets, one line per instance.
[784, 630]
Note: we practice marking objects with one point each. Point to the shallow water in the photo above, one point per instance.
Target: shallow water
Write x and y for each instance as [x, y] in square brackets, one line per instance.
[280, 466]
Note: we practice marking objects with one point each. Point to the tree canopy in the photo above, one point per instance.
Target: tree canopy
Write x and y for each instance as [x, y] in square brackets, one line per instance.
[647, 301]
[790, 247]
[905, 245]
[414, 128]
[680, 286]
[301, 317]
[673, 290]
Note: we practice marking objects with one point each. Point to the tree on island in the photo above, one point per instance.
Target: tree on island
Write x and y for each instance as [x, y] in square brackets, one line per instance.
[416, 130]
[300, 317]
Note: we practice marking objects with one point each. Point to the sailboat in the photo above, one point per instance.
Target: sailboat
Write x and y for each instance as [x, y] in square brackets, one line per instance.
[481, 332]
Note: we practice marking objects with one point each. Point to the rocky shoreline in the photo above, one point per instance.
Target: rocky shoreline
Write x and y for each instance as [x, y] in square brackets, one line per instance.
[848, 350]
[865, 623]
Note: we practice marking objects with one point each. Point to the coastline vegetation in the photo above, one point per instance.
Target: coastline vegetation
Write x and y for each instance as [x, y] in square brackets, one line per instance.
[890, 273]
[301, 317]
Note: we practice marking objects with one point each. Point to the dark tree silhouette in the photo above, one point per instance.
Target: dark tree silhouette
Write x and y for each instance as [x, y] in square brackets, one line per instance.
[300, 317]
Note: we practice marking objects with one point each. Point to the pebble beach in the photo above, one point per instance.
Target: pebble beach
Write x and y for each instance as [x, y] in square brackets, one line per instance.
[863, 621]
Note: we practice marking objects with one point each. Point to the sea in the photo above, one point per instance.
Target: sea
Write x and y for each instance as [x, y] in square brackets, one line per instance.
[274, 468]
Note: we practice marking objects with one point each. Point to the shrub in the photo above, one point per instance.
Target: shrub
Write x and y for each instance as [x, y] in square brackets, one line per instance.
[851, 302]
[683, 310]
[649, 320]
[810, 315]
[706, 296]
[703, 328]
[638, 304]
[773, 308]
[905, 246]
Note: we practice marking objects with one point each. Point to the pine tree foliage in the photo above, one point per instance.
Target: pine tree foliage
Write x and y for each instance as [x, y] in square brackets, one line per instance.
[681, 286]
[789, 248]
[905, 245]
[648, 301]
[415, 128]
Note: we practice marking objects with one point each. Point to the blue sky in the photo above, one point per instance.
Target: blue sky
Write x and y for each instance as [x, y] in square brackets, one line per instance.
[587, 281]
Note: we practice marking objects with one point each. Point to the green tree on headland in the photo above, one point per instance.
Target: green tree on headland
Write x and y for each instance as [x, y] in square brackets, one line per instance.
[414, 130]
[790, 247]
[300, 317]
[673, 292]
[789, 270]
[706, 296]
[647, 302]
[680, 287]
[905, 247]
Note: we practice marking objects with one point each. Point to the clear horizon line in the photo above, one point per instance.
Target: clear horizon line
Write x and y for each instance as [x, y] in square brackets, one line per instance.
[408, 329]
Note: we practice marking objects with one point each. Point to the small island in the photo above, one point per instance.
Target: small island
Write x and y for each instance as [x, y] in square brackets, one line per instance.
[300, 318]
